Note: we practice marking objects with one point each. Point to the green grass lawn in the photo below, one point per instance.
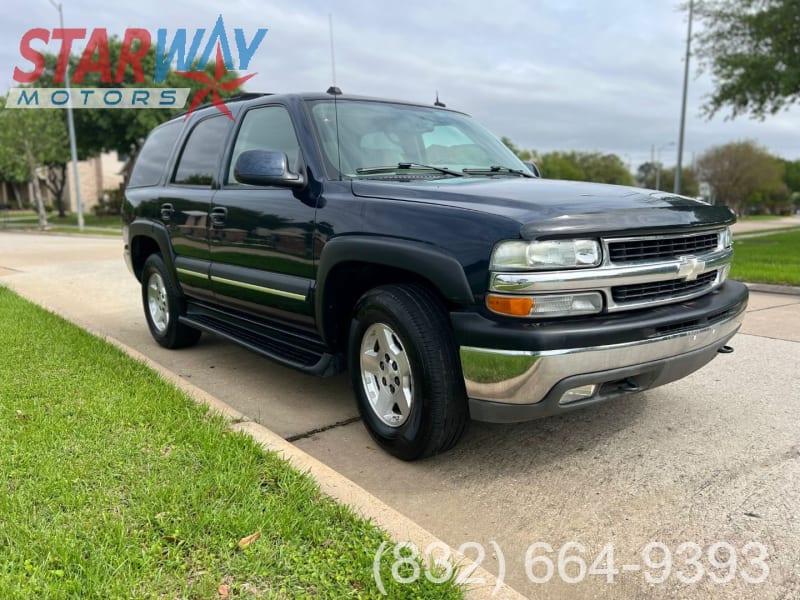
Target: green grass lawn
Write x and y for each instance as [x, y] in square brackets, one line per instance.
[89, 219]
[114, 484]
[768, 259]
[28, 219]
[73, 230]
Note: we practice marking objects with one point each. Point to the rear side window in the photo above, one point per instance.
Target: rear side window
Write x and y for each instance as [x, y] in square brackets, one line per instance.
[154, 155]
[202, 152]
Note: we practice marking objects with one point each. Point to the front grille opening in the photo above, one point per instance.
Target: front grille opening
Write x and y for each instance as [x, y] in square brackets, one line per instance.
[662, 248]
[659, 290]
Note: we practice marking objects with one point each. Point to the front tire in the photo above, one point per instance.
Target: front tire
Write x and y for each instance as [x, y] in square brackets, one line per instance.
[405, 372]
[163, 305]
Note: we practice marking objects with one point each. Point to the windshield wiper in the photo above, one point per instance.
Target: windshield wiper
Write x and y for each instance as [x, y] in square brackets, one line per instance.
[493, 170]
[406, 166]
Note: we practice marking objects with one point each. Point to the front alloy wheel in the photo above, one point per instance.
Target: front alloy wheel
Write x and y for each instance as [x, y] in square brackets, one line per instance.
[405, 371]
[386, 375]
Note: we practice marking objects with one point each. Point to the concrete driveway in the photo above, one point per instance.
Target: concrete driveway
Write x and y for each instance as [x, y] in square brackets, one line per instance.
[713, 458]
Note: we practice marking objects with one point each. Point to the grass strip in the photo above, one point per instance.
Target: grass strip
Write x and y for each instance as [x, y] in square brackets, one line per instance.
[768, 258]
[115, 484]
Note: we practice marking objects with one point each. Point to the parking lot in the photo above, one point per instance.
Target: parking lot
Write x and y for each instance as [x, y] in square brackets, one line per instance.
[714, 458]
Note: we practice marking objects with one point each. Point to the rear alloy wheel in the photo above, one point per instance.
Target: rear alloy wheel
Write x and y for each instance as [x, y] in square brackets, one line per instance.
[163, 305]
[405, 372]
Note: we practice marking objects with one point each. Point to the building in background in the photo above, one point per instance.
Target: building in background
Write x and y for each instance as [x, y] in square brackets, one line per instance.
[97, 175]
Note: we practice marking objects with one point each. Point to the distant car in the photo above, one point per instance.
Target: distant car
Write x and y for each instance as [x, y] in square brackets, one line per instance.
[407, 244]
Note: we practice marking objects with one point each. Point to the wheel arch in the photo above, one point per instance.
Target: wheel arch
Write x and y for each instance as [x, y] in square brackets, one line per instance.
[147, 238]
[352, 265]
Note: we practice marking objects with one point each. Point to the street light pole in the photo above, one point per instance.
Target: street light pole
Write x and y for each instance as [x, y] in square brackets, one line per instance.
[678, 168]
[71, 125]
[658, 164]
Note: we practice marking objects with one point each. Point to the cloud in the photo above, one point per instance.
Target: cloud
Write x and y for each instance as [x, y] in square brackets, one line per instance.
[550, 75]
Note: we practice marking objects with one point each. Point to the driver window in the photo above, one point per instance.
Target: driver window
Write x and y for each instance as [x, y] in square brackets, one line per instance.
[267, 128]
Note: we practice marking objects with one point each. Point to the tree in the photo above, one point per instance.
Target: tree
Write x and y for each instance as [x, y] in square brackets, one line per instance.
[585, 166]
[743, 176]
[750, 48]
[647, 176]
[525, 155]
[560, 165]
[30, 139]
[56, 180]
[791, 174]
[100, 129]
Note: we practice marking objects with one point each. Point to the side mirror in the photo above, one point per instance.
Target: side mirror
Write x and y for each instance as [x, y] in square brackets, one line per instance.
[533, 168]
[266, 167]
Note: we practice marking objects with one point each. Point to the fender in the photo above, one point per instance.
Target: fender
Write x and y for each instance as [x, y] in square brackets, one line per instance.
[158, 233]
[434, 264]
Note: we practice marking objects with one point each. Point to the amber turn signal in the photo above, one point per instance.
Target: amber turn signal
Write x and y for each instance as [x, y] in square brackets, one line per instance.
[515, 306]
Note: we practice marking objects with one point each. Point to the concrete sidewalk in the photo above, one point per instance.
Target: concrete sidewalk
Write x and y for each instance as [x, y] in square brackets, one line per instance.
[714, 457]
[767, 224]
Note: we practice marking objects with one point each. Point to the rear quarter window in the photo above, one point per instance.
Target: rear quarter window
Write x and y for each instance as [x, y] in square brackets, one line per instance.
[154, 155]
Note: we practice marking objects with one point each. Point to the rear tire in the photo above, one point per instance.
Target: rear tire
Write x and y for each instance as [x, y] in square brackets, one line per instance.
[405, 372]
[163, 305]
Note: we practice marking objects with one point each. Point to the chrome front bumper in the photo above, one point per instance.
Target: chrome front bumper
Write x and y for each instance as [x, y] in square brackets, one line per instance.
[510, 385]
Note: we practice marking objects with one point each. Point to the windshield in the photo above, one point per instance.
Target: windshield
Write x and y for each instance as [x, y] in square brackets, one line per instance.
[381, 134]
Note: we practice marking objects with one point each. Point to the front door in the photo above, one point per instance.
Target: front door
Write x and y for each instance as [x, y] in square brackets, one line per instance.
[260, 237]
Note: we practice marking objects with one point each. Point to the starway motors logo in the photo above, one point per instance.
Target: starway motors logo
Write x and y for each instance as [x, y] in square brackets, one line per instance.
[190, 61]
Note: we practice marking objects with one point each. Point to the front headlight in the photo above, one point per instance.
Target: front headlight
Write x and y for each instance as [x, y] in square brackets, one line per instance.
[725, 238]
[551, 254]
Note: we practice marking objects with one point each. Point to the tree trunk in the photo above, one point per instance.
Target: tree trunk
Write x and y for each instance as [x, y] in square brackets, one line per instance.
[56, 182]
[17, 197]
[37, 192]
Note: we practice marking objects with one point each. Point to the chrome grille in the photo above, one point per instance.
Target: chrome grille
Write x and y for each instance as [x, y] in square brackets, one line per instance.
[658, 290]
[652, 249]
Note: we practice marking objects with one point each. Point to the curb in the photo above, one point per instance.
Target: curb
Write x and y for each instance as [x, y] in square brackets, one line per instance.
[399, 527]
[769, 288]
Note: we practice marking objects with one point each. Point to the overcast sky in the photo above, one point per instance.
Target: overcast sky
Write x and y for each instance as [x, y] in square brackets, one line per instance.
[550, 74]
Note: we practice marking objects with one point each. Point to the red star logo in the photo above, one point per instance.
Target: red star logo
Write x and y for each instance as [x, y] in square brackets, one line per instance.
[213, 87]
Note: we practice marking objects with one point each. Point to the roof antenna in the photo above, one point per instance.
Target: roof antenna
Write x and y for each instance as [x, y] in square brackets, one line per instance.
[333, 90]
[438, 103]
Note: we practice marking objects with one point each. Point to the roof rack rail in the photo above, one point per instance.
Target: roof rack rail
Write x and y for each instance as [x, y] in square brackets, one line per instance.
[235, 98]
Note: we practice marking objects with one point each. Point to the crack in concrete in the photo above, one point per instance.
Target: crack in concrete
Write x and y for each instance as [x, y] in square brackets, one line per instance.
[308, 434]
[755, 310]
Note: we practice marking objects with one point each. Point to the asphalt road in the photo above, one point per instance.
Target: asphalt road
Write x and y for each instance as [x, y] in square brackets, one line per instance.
[712, 459]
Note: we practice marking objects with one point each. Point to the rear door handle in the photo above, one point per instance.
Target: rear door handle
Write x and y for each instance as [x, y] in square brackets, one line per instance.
[218, 215]
[166, 211]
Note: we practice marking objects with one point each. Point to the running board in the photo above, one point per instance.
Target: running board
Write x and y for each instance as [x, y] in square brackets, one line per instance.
[293, 348]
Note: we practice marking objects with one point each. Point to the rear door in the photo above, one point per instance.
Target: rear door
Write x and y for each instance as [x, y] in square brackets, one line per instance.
[186, 202]
[261, 237]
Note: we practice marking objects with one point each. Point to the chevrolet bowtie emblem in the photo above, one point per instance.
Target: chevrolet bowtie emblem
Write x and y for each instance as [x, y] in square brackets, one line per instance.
[691, 267]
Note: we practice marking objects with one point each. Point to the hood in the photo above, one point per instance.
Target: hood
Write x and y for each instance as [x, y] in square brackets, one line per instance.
[549, 207]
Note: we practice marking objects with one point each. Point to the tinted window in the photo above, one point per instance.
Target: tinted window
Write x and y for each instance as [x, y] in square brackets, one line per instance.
[267, 128]
[154, 155]
[201, 154]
